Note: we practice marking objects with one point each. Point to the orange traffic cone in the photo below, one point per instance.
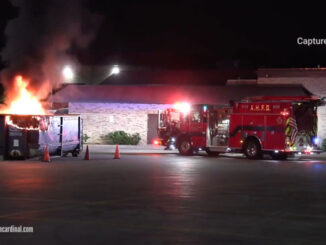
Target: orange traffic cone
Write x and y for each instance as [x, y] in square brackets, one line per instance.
[117, 153]
[46, 157]
[86, 154]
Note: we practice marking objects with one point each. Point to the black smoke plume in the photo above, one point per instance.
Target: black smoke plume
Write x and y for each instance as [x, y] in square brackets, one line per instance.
[39, 40]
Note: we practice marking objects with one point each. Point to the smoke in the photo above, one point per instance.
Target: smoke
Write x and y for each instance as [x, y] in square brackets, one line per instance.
[39, 40]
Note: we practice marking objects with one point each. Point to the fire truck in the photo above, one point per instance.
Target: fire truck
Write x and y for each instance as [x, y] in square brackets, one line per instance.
[279, 126]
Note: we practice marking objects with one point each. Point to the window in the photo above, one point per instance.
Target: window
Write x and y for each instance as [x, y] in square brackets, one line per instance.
[195, 117]
[175, 116]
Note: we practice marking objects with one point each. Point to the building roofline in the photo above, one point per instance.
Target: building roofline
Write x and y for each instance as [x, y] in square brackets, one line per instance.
[167, 94]
[291, 72]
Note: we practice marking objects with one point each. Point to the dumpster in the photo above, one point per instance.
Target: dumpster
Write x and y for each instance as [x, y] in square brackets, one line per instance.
[26, 136]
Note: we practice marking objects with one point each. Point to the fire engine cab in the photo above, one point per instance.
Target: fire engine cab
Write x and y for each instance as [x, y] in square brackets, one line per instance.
[279, 126]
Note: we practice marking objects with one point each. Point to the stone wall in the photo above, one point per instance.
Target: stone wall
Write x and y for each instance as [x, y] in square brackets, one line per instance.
[315, 84]
[100, 119]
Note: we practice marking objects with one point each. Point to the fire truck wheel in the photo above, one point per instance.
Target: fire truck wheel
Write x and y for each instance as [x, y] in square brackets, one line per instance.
[212, 153]
[252, 149]
[185, 147]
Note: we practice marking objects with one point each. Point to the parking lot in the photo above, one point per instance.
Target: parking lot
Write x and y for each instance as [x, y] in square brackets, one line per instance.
[164, 198]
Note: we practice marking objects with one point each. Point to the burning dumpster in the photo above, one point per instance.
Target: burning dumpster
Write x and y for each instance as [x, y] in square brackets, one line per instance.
[26, 128]
[25, 136]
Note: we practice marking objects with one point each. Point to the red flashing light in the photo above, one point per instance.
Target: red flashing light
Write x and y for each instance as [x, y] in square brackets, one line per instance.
[183, 107]
[308, 151]
[285, 113]
[156, 142]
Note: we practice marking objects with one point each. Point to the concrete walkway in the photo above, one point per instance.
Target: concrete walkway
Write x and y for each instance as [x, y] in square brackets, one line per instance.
[147, 149]
[129, 149]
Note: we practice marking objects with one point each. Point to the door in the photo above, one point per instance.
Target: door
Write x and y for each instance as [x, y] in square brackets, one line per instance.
[197, 128]
[219, 123]
[152, 125]
[275, 132]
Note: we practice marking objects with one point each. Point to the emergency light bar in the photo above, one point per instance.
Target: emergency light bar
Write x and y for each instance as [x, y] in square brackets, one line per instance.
[184, 107]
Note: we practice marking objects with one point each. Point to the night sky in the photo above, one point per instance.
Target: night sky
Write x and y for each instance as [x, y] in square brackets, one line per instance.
[203, 34]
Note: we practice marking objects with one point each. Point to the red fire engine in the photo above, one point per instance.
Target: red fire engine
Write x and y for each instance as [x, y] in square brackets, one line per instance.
[279, 126]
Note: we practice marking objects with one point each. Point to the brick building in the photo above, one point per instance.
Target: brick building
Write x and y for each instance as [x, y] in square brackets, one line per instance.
[134, 108]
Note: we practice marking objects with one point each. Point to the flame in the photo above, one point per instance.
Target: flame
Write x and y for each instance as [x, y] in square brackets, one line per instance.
[9, 121]
[24, 103]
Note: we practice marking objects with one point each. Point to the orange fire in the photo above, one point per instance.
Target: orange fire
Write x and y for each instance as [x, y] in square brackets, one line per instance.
[24, 102]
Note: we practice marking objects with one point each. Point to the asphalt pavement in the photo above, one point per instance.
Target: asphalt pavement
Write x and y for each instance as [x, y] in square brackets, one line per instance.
[151, 198]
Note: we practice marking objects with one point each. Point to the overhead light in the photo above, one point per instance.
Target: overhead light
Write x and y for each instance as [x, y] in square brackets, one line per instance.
[68, 73]
[115, 70]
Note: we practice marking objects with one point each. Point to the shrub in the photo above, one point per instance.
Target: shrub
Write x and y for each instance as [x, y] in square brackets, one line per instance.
[121, 138]
[323, 145]
[85, 138]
